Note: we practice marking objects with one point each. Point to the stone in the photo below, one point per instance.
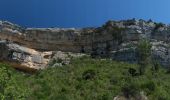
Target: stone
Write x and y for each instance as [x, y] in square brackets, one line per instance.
[23, 56]
[37, 47]
[140, 96]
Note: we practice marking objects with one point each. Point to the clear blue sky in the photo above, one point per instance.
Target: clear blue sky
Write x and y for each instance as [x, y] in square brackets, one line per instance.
[81, 13]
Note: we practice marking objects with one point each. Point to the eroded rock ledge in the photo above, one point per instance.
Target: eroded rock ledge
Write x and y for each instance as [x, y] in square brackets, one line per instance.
[30, 60]
[35, 47]
[23, 56]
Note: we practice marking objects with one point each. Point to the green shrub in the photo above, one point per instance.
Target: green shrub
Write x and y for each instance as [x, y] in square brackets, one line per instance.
[149, 87]
[158, 25]
[5, 76]
[59, 60]
[160, 94]
[156, 66]
[52, 62]
[89, 75]
[114, 80]
[132, 72]
[130, 89]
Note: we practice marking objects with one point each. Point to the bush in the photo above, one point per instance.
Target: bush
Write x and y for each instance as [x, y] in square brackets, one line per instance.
[114, 80]
[149, 87]
[142, 69]
[130, 22]
[132, 71]
[158, 25]
[4, 77]
[160, 94]
[52, 62]
[59, 60]
[130, 89]
[89, 75]
[155, 67]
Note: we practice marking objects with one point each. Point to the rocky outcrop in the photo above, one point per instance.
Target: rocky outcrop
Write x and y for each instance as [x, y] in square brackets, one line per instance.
[160, 52]
[22, 57]
[77, 40]
[28, 59]
[36, 47]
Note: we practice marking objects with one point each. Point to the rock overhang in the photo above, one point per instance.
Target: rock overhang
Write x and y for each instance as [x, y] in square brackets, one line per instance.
[36, 42]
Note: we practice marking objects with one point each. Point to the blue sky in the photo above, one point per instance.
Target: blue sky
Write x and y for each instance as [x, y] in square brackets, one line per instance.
[81, 13]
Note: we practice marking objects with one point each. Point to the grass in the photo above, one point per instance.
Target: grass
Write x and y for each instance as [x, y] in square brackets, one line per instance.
[83, 79]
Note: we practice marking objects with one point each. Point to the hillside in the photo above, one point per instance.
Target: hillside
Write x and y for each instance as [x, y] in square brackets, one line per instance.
[121, 60]
[85, 79]
[34, 48]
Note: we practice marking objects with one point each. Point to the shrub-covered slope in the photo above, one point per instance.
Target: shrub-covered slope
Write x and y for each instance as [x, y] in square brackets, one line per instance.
[85, 79]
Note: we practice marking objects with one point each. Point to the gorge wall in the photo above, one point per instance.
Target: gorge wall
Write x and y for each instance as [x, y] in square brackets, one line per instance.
[115, 39]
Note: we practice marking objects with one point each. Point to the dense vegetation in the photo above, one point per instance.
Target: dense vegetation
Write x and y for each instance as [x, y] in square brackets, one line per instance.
[84, 79]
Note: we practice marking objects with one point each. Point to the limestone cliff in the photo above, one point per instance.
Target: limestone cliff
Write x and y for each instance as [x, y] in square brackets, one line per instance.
[34, 47]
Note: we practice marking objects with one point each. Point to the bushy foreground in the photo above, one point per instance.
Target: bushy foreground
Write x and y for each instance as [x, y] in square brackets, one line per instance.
[84, 79]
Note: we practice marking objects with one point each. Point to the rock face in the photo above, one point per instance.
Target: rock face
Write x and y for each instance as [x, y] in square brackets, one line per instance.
[22, 57]
[36, 47]
[28, 59]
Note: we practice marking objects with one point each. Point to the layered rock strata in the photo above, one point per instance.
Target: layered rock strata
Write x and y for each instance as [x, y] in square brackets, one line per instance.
[35, 47]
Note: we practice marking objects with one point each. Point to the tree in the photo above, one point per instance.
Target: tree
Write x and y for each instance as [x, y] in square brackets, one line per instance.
[155, 66]
[144, 52]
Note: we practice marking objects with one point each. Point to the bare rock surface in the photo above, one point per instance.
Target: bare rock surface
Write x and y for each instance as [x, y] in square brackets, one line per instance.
[140, 96]
[37, 47]
[24, 56]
